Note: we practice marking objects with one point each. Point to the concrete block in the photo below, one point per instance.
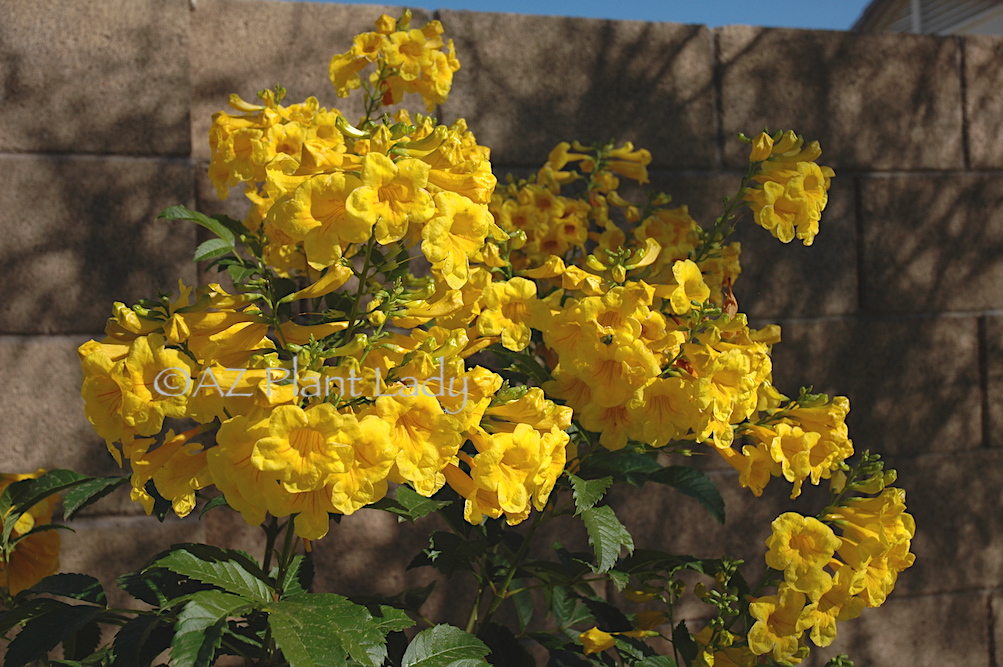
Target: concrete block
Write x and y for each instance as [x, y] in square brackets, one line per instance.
[928, 631]
[874, 101]
[983, 103]
[993, 363]
[932, 243]
[912, 382]
[109, 76]
[956, 502]
[80, 233]
[240, 46]
[108, 547]
[528, 82]
[42, 411]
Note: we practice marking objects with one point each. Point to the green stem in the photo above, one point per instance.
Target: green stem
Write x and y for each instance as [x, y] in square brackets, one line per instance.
[500, 596]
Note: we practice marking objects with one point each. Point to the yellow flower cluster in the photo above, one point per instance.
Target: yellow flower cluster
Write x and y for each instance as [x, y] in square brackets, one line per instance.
[34, 556]
[316, 413]
[792, 190]
[830, 577]
[408, 60]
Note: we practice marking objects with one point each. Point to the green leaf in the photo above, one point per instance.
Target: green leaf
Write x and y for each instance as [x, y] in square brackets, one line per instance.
[76, 586]
[211, 249]
[299, 576]
[21, 496]
[43, 633]
[694, 483]
[683, 642]
[141, 640]
[588, 492]
[199, 628]
[218, 501]
[82, 643]
[632, 467]
[409, 505]
[210, 568]
[568, 608]
[445, 646]
[214, 226]
[606, 535]
[25, 611]
[505, 648]
[657, 661]
[522, 598]
[321, 628]
[449, 553]
[88, 493]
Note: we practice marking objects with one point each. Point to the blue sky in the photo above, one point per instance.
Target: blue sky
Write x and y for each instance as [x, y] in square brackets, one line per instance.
[815, 14]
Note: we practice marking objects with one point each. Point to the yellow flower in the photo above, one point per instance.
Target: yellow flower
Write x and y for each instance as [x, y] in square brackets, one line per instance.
[690, 287]
[316, 215]
[762, 147]
[426, 437]
[36, 556]
[302, 445]
[801, 547]
[454, 236]
[666, 408]
[247, 489]
[391, 196]
[596, 641]
[839, 603]
[508, 309]
[779, 623]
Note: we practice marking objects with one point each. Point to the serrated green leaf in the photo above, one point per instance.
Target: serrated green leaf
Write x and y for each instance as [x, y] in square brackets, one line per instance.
[392, 619]
[445, 646]
[409, 505]
[299, 576]
[588, 492]
[619, 579]
[88, 493]
[606, 535]
[320, 629]
[657, 661]
[199, 628]
[25, 611]
[228, 574]
[218, 501]
[522, 598]
[77, 586]
[214, 226]
[568, 609]
[82, 643]
[141, 640]
[449, 553]
[694, 483]
[683, 642]
[44, 632]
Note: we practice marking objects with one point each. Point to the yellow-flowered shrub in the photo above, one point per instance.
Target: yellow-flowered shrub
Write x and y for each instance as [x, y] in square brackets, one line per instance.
[398, 322]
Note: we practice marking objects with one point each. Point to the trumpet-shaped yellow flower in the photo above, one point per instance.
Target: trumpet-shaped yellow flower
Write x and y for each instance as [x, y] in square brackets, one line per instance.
[392, 195]
[302, 445]
[801, 547]
[508, 311]
[426, 437]
[454, 236]
[779, 623]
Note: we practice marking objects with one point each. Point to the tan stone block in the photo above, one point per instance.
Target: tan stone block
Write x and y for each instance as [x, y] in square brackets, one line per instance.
[983, 103]
[108, 547]
[107, 76]
[80, 233]
[528, 82]
[874, 101]
[912, 383]
[43, 414]
[928, 631]
[240, 46]
[958, 509]
[993, 363]
[932, 243]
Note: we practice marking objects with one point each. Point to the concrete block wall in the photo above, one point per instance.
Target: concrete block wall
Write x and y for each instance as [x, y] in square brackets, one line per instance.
[104, 108]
